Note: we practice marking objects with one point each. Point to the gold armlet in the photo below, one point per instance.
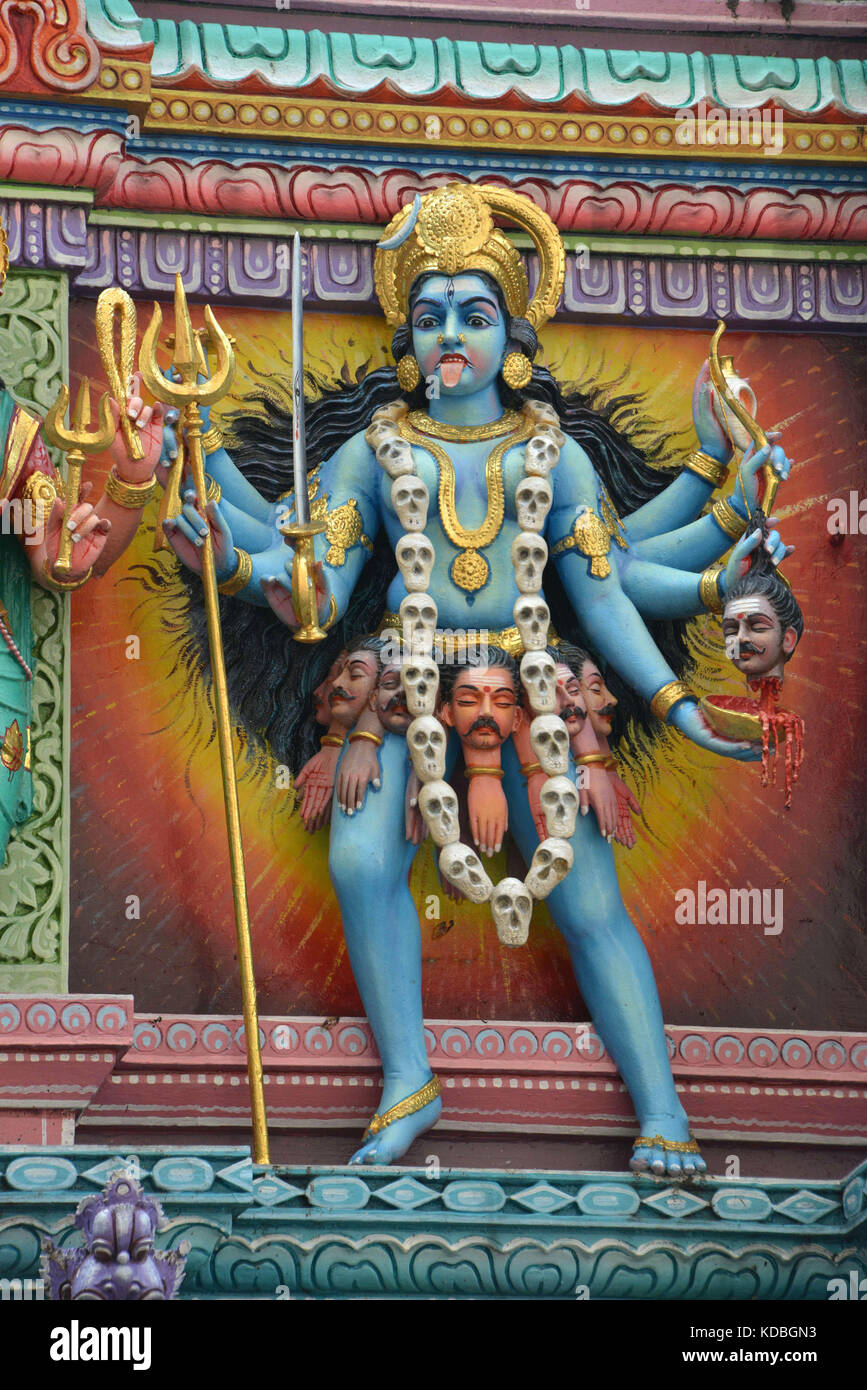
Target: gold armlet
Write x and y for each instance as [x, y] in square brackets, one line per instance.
[707, 468]
[485, 772]
[132, 496]
[591, 538]
[362, 733]
[589, 759]
[727, 519]
[212, 440]
[42, 491]
[529, 768]
[63, 586]
[241, 577]
[709, 590]
[667, 697]
[331, 741]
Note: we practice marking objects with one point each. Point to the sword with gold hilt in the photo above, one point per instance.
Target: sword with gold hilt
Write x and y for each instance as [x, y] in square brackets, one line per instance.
[76, 441]
[300, 533]
[189, 394]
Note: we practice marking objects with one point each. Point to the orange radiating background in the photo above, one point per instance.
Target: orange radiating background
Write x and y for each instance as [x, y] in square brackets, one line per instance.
[147, 808]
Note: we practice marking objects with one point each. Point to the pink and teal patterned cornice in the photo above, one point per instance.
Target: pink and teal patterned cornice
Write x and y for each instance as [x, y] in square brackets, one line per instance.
[418, 68]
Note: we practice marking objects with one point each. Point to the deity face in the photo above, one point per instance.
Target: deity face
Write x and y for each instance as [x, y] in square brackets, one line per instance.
[389, 701]
[483, 707]
[458, 333]
[571, 704]
[754, 637]
[353, 687]
[601, 704]
[321, 707]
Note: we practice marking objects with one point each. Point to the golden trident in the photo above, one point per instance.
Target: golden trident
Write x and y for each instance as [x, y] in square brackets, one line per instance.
[76, 442]
[188, 395]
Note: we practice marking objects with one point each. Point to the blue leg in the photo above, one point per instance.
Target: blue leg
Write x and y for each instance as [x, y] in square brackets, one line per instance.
[369, 860]
[615, 977]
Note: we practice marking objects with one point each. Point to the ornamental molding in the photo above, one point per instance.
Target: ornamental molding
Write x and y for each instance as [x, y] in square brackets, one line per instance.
[696, 285]
[339, 1231]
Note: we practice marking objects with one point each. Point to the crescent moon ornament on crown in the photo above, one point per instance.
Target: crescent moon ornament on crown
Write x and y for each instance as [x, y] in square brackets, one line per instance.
[451, 230]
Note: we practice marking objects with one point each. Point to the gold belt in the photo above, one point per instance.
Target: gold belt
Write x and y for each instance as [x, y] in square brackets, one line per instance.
[508, 639]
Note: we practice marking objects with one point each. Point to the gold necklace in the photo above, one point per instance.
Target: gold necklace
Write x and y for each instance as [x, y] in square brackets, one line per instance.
[464, 434]
[470, 570]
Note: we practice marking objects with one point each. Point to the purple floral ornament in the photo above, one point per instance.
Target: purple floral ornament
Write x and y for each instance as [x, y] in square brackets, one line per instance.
[117, 1262]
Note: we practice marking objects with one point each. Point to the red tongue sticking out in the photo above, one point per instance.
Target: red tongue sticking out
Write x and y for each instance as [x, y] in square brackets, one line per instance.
[450, 370]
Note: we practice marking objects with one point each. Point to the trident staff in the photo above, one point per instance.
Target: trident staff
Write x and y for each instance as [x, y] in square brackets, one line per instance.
[188, 394]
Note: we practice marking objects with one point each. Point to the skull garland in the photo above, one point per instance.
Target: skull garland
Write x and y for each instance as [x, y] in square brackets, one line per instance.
[511, 900]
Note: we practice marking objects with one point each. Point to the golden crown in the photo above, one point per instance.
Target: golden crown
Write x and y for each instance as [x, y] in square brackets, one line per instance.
[452, 230]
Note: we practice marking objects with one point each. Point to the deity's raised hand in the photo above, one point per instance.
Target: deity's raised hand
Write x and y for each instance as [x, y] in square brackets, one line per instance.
[712, 438]
[739, 560]
[186, 534]
[745, 497]
[688, 719]
[89, 535]
[149, 421]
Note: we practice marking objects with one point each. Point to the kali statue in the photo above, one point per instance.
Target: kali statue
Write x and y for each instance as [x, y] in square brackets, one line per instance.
[464, 493]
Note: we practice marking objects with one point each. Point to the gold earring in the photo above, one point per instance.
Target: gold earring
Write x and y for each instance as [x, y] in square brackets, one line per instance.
[517, 370]
[408, 375]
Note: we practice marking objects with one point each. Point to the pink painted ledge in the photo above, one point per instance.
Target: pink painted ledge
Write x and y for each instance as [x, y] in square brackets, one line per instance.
[87, 1061]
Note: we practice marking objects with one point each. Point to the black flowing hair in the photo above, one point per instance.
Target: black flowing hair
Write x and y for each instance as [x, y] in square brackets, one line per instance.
[271, 677]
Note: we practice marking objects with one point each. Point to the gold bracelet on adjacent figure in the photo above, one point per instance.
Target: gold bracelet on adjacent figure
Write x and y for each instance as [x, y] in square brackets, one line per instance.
[331, 741]
[728, 519]
[710, 469]
[63, 586]
[485, 772]
[588, 759]
[529, 769]
[241, 577]
[709, 590]
[212, 440]
[667, 697]
[362, 733]
[132, 496]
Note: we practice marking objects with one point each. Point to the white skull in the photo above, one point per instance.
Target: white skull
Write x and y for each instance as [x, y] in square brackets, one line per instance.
[541, 454]
[550, 739]
[426, 739]
[512, 907]
[377, 433]
[541, 413]
[539, 677]
[463, 869]
[438, 804]
[418, 620]
[549, 866]
[410, 498]
[529, 555]
[532, 618]
[420, 676]
[415, 558]
[395, 456]
[533, 498]
[559, 798]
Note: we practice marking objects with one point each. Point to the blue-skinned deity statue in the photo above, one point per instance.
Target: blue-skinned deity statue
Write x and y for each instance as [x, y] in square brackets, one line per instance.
[475, 518]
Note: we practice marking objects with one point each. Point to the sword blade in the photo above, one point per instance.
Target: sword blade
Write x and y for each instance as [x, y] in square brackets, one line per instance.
[299, 446]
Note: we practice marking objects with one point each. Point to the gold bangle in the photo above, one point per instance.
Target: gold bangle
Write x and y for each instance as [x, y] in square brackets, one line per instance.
[63, 586]
[212, 440]
[213, 491]
[710, 470]
[485, 772]
[708, 589]
[241, 576]
[588, 759]
[132, 496]
[667, 697]
[529, 768]
[727, 519]
[610, 764]
[362, 733]
[331, 741]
